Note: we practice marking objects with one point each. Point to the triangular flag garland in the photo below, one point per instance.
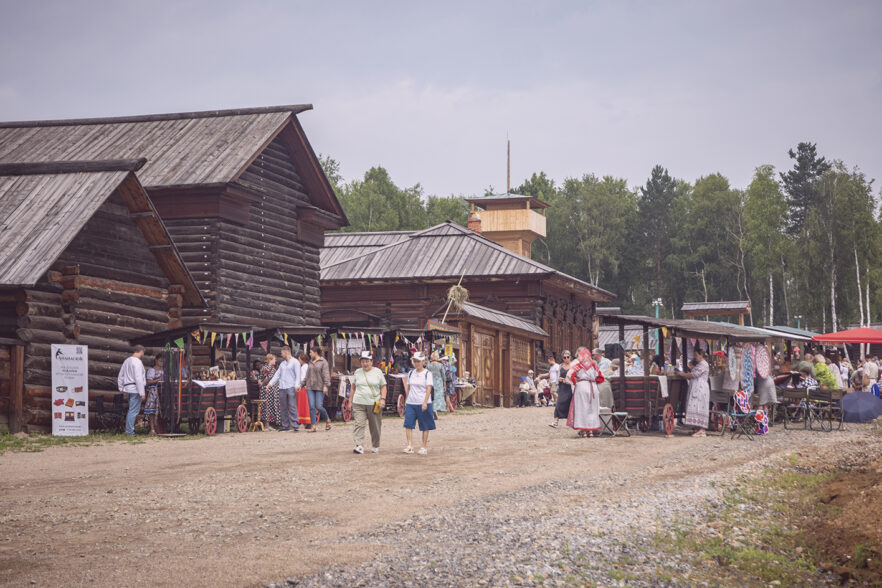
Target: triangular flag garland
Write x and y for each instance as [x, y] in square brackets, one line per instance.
[286, 338]
[213, 335]
[250, 342]
[229, 336]
[180, 343]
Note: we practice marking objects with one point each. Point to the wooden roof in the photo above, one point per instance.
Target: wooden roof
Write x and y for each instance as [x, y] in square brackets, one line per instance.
[691, 328]
[44, 206]
[443, 252]
[342, 246]
[497, 317]
[182, 149]
[724, 307]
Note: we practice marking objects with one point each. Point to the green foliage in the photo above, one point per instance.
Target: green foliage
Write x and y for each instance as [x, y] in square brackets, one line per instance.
[440, 209]
[790, 243]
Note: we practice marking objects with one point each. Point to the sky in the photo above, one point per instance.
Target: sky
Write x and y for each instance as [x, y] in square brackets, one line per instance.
[432, 90]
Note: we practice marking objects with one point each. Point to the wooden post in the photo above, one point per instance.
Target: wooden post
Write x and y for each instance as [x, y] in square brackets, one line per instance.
[621, 366]
[16, 392]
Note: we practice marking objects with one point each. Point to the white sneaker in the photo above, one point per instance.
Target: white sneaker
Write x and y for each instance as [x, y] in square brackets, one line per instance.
[422, 451]
[358, 449]
[375, 450]
[408, 449]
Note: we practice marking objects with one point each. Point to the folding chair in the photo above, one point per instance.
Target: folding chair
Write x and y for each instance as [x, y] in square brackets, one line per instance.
[742, 416]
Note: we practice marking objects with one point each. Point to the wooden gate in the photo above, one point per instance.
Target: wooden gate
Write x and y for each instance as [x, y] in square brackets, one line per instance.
[11, 384]
[483, 364]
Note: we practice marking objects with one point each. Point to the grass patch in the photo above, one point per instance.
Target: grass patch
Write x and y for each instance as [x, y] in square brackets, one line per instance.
[36, 442]
[752, 537]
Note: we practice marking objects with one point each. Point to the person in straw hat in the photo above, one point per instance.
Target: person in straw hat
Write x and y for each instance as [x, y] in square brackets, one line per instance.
[418, 408]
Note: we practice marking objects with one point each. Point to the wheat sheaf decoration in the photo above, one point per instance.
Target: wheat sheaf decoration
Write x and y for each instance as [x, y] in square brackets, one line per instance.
[457, 296]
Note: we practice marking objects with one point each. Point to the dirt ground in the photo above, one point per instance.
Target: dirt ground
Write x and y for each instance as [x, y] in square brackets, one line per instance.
[247, 509]
[849, 534]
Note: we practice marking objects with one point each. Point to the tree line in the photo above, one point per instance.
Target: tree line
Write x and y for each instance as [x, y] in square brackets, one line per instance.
[804, 245]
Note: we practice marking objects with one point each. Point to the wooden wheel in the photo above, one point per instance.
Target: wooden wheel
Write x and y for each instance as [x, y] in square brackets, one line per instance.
[643, 424]
[668, 419]
[401, 402]
[346, 412]
[194, 424]
[210, 421]
[241, 418]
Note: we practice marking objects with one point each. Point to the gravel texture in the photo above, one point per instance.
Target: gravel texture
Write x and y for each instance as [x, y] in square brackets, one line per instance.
[501, 499]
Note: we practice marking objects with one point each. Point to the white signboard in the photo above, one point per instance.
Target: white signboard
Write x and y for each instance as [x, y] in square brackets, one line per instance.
[70, 390]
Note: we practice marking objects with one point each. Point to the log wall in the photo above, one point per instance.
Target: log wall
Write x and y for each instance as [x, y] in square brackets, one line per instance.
[105, 289]
[251, 264]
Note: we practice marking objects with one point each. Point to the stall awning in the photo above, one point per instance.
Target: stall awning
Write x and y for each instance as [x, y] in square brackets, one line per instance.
[861, 335]
[689, 327]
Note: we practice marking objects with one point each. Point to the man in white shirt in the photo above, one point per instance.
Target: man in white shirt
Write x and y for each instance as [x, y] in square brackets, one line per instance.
[131, 381]
[288, 378]
[602, 362]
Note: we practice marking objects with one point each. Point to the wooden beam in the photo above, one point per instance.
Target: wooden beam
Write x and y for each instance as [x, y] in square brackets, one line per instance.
[16, 392]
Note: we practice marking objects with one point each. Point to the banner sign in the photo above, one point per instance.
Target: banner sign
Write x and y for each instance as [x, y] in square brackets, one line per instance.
[70, 390]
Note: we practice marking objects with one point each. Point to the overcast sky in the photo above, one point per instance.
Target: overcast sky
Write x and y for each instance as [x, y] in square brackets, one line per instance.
[431, 90]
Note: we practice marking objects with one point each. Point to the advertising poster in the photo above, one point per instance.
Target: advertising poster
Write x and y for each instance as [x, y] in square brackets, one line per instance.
[70, 390]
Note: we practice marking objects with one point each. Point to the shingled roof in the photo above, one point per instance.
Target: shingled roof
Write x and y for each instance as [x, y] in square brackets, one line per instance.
[182, 149]
[441, 252]
[44, 206]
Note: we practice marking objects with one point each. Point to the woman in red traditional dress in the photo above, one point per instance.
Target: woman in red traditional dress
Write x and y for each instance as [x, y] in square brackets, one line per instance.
[585, 408]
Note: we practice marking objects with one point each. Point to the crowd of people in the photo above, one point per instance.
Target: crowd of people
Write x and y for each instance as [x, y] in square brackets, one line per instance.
[293, 390]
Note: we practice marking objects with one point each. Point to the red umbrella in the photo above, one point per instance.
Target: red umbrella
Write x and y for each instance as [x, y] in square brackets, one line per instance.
[862, 335]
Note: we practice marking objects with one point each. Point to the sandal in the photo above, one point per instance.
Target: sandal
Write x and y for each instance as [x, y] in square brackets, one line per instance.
[328, 427]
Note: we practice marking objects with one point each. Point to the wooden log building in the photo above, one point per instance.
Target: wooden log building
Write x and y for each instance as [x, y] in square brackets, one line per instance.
[399, 280]
[244, 200]
[241, 192]
[84, 259]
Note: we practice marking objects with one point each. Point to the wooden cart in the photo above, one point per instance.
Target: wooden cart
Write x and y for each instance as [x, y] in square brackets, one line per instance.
[643, 401]
[199, 404]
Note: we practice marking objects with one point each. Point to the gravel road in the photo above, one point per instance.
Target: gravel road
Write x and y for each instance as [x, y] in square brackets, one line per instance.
[501, 499]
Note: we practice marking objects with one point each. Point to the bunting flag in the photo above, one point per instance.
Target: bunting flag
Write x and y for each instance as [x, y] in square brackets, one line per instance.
[264, 344]
[286, 338]
[229, 336]
[381, 338]
[244, 337]
[213, 336]
[312, 342]
[344, 334]
[180, 343]
[197, 335]
[637, 340]
[319, 340]
[250, 342]
[396, 337]
[664, 331]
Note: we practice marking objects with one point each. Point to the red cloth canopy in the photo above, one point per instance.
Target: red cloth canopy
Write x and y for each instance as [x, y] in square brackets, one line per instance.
[862, 335]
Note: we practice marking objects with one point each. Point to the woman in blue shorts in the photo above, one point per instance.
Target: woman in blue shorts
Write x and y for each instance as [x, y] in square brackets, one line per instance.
[418, 408]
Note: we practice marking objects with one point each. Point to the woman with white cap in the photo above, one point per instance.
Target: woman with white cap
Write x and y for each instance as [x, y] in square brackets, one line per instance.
[418, 408]
[367, 402]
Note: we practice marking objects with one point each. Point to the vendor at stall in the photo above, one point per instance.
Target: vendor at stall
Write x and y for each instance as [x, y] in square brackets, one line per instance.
[698, 404]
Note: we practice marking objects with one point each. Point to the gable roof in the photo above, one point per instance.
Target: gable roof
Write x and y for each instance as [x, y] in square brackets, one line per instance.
[182, 149]
[341, 246]
[44, 206]
[445, 251]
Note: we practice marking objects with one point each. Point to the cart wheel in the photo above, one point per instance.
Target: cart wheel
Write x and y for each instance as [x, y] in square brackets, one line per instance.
[401, 402]
[668, 419]
[346, 412]
[241, 418]
[194, 425]
[643, 424]
[210, 421]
